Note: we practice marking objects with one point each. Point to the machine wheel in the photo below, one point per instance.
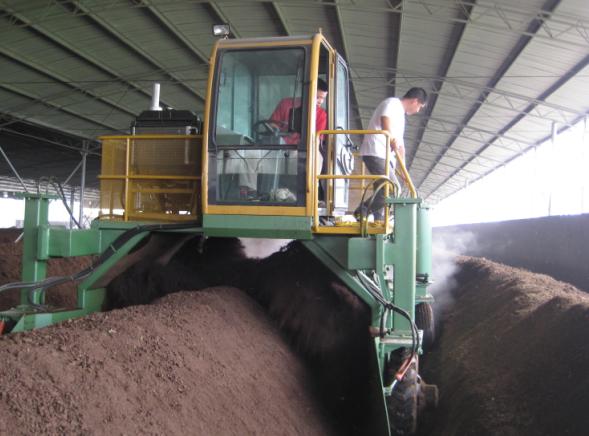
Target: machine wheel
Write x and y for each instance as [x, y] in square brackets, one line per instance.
[424, 319]
[402, 404]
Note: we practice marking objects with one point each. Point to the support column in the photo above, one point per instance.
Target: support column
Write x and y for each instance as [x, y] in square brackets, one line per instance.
[403, 257]
[33, 269]
[83, 184]
[424, 250]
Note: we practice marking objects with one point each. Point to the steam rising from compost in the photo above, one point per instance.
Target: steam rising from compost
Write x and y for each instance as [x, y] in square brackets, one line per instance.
[259, 248]
[444, 251]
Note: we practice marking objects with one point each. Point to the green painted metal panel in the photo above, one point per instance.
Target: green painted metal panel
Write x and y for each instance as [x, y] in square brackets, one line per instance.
[322, 249]
[91, 300]
[402, 255]
[61, 242]
[279, 227]
[33, 269]
[336, 246]
[361, 253]
[33, 321]
[104, 267]
[424, 248]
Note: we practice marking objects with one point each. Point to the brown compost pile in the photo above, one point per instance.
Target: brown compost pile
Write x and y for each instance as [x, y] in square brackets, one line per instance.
[513, 355]
[287, 353]
[203, 363]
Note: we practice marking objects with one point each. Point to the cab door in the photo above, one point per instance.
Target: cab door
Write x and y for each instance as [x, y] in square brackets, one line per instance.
[343, 161]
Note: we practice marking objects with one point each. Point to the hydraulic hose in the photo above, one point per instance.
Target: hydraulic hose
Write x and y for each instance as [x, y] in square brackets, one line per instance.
[116, 245]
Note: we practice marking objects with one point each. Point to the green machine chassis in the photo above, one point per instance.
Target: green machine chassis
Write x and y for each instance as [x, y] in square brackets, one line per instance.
[381, 269]
[387, 268]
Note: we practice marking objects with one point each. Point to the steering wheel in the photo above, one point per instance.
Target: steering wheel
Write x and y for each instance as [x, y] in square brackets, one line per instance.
[270, 128]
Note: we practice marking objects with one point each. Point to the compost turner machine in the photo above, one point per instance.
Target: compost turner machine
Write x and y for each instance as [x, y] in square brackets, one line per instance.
[242, 173]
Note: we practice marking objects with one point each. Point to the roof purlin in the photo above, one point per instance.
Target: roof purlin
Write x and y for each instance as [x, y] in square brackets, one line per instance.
[572, 72]
[523, 41]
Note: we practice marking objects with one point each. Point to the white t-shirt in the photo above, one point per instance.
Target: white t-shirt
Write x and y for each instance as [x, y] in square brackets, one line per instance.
[375, 145]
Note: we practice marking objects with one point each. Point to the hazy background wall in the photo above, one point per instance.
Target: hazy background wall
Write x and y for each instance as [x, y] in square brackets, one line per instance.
[556, 245]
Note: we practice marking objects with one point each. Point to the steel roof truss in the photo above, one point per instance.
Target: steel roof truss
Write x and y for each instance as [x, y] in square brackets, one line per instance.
[133, 47]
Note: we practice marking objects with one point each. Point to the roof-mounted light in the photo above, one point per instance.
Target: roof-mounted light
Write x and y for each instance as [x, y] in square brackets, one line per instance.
[221, 30]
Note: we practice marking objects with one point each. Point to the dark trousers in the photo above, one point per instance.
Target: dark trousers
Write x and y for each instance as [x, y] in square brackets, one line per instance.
[376, 165]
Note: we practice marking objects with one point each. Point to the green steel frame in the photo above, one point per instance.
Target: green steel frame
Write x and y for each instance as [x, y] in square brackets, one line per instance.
[42, 242]
[394, 261]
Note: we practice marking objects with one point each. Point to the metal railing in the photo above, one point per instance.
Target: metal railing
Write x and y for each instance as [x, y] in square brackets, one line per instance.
[361, 227]
[151, 177]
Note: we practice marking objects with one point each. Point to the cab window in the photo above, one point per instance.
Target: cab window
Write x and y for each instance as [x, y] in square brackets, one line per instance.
[259, 127]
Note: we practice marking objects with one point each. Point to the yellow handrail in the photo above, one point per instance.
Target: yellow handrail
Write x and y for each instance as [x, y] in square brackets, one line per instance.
[401, 169]
[401, 165]
[172, 180]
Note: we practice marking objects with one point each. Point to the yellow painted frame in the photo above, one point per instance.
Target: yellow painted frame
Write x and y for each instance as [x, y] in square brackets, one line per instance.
[312, 176]
[306, 210]
[356, 229]
[127, 177]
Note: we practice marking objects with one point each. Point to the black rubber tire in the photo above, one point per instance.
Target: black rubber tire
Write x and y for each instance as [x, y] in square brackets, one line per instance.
[402, 404]
[424, 320]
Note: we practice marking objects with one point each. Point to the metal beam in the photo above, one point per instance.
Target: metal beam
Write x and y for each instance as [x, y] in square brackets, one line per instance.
[394, 41]
[277, 12]
[13, 168]
[19, 20]
[463, 90]
[521, 44]
[175, 33]
[537, 143]
[451, 49]
[39, 69]
[45, 140]
[70, 138]
[503, 16]
[571, 73]
[59, 108]
[462, 153]
[444, 12]
[113, 32]
[476, 134]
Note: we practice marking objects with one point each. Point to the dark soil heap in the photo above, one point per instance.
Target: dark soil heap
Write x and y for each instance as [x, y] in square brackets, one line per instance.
[202, 363]
[513, 357]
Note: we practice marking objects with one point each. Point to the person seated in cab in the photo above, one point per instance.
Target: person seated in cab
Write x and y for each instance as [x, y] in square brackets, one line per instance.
[287, 118]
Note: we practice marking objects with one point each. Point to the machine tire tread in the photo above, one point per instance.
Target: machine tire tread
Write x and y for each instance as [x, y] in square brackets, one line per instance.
[424, 320]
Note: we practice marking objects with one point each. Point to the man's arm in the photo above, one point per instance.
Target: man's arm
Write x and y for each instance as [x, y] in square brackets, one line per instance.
[400, 148]
[279, 117]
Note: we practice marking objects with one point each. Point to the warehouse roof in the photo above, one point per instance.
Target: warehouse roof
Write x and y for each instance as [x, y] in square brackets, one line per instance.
[500, 73]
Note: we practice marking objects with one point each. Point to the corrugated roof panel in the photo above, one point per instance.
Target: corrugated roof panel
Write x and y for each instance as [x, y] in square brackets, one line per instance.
[304, 18]
[176, 36]
[574, 93]
[251, 20]
[46, 115]
[421, 53]
[368, 35]
[153, 44]
[480, 53]
[110, 52]
[34, 84]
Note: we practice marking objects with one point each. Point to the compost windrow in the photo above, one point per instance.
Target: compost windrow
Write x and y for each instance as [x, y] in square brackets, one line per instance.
[205, 362]
[512, 356]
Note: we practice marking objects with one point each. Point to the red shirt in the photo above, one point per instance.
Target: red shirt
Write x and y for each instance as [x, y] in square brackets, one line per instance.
[280, 116]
